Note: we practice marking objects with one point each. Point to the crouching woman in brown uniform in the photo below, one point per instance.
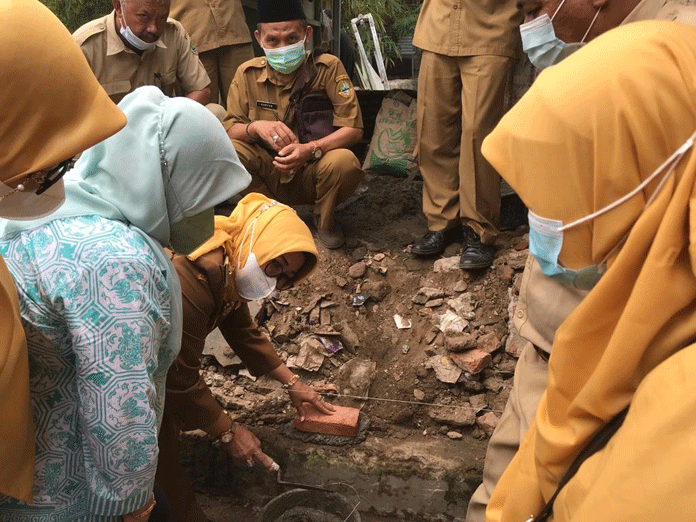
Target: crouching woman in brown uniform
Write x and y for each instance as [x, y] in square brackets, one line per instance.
[262, 246]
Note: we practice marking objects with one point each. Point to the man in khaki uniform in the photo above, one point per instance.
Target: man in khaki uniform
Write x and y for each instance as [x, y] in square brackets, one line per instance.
[136, 44]
[323, 172]
[545, 303]
[222, 38]
[469, 47]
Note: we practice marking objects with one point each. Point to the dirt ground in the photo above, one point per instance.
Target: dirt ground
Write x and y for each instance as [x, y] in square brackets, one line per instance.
[419, 381]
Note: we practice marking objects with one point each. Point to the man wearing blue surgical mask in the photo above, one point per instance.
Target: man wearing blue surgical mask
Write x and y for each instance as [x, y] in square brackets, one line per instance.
[262, 122]
[545, 301]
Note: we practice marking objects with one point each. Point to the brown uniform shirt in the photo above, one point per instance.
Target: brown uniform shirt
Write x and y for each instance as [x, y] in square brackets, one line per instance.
[212, 23]
[256, 95]
[121, 70]
[469, 27]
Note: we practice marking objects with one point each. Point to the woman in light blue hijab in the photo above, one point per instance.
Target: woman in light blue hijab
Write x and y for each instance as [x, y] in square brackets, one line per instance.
[101, 303]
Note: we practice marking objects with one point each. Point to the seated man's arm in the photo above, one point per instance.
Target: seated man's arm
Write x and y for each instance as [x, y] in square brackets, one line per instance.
[190, 71]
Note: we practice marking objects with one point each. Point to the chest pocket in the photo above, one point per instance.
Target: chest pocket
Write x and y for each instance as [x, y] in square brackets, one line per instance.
[262, 113]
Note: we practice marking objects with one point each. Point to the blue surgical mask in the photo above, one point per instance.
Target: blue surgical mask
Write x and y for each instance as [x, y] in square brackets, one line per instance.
[131, 38]
[541, 44]
[546, 235]
[286, 60]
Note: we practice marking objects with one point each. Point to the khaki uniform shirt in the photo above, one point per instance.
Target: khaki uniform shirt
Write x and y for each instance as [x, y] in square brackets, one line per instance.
[683, 11]
[121, 70]
[256, 95]
[212, 23]
[469, 27]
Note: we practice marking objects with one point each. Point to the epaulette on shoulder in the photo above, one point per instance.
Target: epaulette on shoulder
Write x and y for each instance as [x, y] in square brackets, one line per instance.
[89, 29]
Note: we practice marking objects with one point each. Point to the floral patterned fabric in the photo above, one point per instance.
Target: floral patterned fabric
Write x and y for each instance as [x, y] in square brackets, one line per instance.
[96, 309]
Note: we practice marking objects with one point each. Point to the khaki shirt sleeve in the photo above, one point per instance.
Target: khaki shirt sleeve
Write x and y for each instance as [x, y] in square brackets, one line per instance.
[190, 71]
[237, 100]
[340, 90]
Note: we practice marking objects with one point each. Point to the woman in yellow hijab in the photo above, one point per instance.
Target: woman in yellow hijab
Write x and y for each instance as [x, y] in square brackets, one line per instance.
[261, 247]
[52, 109]
[601, 151]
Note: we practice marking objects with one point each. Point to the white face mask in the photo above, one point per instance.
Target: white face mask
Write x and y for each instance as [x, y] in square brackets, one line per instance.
[252, 284]
[131, 38]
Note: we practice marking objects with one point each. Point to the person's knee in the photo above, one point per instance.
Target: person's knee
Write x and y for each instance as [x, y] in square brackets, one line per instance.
[340, 167]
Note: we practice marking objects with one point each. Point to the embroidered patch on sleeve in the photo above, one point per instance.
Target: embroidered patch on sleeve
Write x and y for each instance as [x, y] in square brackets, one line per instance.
[344, 88]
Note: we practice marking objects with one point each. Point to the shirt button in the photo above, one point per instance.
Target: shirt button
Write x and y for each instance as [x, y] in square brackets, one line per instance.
[455, 6]
[520, 313]
[263, 62]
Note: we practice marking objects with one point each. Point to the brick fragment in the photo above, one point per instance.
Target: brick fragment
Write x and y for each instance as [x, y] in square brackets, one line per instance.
[344, 421]
[472, 361]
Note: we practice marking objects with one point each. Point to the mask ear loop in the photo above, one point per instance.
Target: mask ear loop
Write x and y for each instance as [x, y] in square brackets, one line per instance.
[670, 163]
[251, 225]
[557, 9]
[591, 24]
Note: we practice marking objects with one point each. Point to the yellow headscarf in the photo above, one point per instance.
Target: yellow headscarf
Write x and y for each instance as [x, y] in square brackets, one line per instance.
[277, 230]
[52, 108]
[588, 132]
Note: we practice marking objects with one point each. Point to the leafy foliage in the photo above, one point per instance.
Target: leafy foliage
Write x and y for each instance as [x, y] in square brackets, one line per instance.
[393, 19]
[74, 13]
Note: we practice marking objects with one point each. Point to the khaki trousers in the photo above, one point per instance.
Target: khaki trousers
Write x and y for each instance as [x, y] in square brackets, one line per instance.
[326, 183]
[460, 100]
[221, 64]
[528, 385]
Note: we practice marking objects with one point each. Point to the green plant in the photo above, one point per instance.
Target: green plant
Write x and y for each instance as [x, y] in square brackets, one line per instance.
[74, 13]
[393, 19]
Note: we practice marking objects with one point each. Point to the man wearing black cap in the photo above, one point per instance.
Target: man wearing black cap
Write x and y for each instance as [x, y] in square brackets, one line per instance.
[264, 133]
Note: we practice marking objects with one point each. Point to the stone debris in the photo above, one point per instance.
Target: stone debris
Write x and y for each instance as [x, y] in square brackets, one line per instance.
[402, 323]
[350, 341]
[426, 294]
[418, 394]
[450, 323]
[434, 303]
[445, 369]
[357, 270]
[478, 402]
[517, 260]
[431, 335]
[460, 342]
[355, 376]
[446, 264]
[454, 435]
[488, 342]
[472, 361]
[458, 416]
[464, 306]
[460, 286]
[488, 422]
[375, 290]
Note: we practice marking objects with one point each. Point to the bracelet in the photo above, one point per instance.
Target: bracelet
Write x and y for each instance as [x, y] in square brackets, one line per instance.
[292, 381]
[247, 130]
[145, 511]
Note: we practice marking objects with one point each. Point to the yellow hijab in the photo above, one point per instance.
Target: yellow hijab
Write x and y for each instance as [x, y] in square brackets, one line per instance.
[52, 108]
[588, 132]
[274, 228]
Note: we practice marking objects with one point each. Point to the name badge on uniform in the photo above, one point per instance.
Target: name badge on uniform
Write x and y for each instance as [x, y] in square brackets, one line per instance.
[267, 105]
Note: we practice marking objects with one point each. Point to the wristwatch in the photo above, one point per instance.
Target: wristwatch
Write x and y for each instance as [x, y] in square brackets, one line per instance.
[228, 436]
[317, 152]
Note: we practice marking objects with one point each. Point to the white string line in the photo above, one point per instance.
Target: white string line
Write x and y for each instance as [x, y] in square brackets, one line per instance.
[401, 401]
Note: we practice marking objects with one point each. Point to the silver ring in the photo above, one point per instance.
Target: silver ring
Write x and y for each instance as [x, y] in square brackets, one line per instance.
[250, 463]
[275, 138]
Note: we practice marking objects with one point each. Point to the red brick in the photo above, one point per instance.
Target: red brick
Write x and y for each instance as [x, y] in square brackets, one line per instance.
[473, 361]
[488, 342]
[344, 421]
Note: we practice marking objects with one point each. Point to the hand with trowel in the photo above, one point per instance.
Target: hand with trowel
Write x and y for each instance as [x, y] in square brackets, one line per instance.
[261, 247]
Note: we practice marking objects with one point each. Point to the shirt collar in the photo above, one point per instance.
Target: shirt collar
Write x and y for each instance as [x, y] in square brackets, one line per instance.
[115, 45]
[645, 10]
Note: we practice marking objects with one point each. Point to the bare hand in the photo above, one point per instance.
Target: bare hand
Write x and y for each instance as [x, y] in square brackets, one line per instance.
[301, 394]
[274, 133]
[293, 157]
[247, 448]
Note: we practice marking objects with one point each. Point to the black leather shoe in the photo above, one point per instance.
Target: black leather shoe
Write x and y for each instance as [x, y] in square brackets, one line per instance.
[435, 242]
[475, 255]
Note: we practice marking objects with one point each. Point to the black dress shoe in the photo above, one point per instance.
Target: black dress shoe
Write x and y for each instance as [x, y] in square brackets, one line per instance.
[475, 255]
[435, 242]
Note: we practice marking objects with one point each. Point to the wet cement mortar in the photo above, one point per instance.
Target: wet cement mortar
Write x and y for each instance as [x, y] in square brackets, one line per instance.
[422, 451]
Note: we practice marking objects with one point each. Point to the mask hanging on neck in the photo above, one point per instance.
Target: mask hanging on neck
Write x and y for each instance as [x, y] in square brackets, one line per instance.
[131, 38]
[541, 44]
